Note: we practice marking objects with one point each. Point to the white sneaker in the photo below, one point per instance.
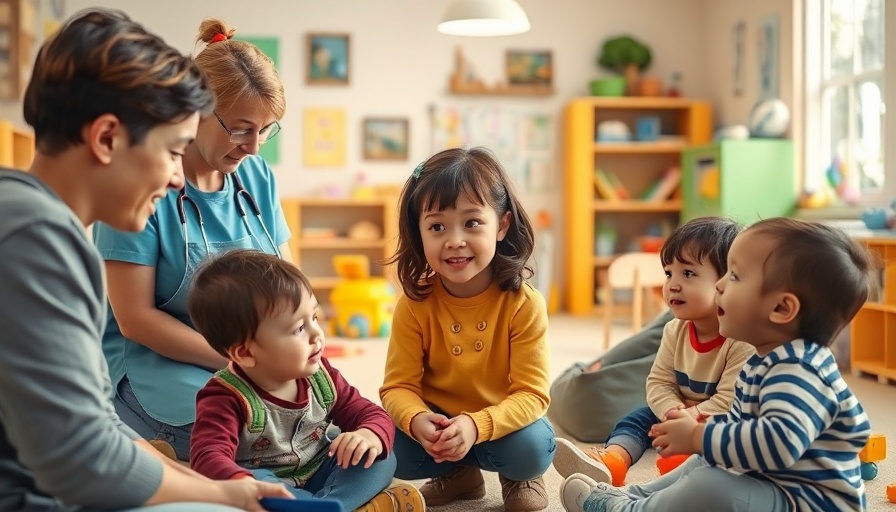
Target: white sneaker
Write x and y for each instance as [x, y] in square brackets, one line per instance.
[574, 491]
[569, 460]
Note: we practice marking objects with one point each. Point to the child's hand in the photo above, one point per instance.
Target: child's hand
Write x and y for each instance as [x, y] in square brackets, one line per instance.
[350, 447]
[456, 440]
[693, 413]
[679, 434]
[666, 415]
[427, 427]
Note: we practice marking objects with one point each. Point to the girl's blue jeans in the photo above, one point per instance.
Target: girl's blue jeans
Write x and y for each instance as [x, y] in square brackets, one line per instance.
[523, 455]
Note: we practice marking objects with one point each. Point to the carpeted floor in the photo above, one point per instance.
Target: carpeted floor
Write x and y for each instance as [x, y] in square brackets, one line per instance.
[576, 339]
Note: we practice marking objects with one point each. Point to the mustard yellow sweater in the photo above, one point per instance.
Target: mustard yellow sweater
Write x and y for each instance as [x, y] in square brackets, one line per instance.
[484, 356]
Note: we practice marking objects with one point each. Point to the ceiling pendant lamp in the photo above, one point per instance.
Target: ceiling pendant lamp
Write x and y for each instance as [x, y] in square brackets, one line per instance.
[484, 18]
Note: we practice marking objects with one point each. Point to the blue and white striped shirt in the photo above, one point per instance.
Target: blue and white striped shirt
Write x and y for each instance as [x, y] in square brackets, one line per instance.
[794, 422]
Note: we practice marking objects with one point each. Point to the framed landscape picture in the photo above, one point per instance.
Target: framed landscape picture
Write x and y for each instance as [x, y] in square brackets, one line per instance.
[327, 57]
[530, 68]
[385, 138]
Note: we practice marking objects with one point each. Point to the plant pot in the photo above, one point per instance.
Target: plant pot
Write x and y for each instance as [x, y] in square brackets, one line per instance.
[610, 86]
[649, 86]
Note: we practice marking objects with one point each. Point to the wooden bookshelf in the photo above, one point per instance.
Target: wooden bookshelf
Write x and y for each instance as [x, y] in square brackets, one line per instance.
[637, 165]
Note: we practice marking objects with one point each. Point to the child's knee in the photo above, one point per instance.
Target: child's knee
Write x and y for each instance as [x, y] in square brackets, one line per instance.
[712, 484]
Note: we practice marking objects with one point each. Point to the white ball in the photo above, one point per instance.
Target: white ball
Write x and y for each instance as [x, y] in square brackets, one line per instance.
[769, 119]
[733, 132]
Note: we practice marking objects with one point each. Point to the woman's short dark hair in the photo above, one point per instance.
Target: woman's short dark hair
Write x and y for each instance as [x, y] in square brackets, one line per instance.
[102, 62]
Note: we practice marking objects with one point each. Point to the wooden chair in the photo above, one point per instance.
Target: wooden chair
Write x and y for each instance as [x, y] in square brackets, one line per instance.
[635, 271]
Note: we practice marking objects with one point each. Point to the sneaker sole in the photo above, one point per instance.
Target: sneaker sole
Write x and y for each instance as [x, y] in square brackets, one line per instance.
[569, 459]
[573, 507]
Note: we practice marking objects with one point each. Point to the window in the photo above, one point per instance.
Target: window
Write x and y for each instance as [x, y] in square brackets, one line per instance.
[845, 100]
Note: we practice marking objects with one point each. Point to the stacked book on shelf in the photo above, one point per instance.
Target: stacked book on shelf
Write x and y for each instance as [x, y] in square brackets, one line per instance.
[610, 188]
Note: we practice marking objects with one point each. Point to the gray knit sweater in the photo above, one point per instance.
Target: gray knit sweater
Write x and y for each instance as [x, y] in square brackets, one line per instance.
[61, 444]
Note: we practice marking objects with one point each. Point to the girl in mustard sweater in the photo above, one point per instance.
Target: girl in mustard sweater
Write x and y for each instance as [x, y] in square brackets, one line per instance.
[467, 369]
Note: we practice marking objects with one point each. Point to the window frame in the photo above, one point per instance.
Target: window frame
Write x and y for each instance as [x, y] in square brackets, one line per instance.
[816, 42]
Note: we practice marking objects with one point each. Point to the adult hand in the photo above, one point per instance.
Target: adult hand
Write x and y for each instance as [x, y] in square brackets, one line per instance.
[457, 438]
[244, 493]
[350, 447]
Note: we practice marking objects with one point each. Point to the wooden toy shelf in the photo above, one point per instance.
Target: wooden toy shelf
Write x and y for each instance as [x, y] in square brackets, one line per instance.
[873, 330]
[320, 228]
[637, 164]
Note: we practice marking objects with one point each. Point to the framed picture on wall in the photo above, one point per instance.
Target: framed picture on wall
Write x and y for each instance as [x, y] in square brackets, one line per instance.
[327, 57]
[385, 138]
[530, 68]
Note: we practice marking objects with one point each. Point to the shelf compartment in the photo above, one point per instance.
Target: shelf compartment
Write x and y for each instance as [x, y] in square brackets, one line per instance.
[636, 206]
[883, 373]
[637, 165]
[639, 147]
[324, 282]
[340, 243]
[873, 330]
[504, 90]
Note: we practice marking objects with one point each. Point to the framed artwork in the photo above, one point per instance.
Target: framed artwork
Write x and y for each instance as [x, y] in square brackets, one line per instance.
[768, 57]
[327, 57]
[385, 138]
[737, 61]
[324, 137]
[532, 68]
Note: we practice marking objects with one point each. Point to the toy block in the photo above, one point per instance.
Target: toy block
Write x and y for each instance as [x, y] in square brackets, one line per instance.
[875, 450]
[667, 464]
[891, 493]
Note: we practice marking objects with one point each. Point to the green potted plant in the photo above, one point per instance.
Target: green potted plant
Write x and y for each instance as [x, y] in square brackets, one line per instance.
[626, 57]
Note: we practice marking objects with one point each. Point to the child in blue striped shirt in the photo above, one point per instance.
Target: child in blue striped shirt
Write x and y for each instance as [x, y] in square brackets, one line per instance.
[792, 437]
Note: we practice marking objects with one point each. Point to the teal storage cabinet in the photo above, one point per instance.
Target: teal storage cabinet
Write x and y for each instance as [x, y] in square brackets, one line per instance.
[746, 180]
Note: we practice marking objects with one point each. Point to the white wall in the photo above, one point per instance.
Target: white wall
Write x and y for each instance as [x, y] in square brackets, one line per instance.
[400, 64]
[717, 53]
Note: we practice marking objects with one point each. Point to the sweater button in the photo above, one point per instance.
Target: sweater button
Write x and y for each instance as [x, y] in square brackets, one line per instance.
[455, 328]
[478, 345]
[481, 325]
[456, 350]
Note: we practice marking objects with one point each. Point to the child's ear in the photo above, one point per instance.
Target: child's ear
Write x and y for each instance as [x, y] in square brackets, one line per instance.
[241, 354]
[503, 225]
[786, 309]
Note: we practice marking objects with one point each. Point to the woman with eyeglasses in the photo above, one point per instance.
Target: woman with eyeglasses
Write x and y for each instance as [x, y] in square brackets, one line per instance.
[157, 361]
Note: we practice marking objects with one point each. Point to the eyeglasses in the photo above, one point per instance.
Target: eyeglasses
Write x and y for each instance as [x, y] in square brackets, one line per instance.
[245, 136]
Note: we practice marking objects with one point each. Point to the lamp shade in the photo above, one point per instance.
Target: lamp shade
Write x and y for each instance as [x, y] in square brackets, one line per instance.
[484, 18]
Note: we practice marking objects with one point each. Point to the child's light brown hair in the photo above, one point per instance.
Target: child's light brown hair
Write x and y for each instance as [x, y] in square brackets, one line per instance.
[233, 292]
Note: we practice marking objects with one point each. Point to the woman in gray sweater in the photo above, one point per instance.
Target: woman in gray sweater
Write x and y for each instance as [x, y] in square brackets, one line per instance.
[113, 108]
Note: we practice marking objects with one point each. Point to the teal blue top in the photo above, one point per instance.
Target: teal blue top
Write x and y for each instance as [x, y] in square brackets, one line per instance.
[167, 388]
